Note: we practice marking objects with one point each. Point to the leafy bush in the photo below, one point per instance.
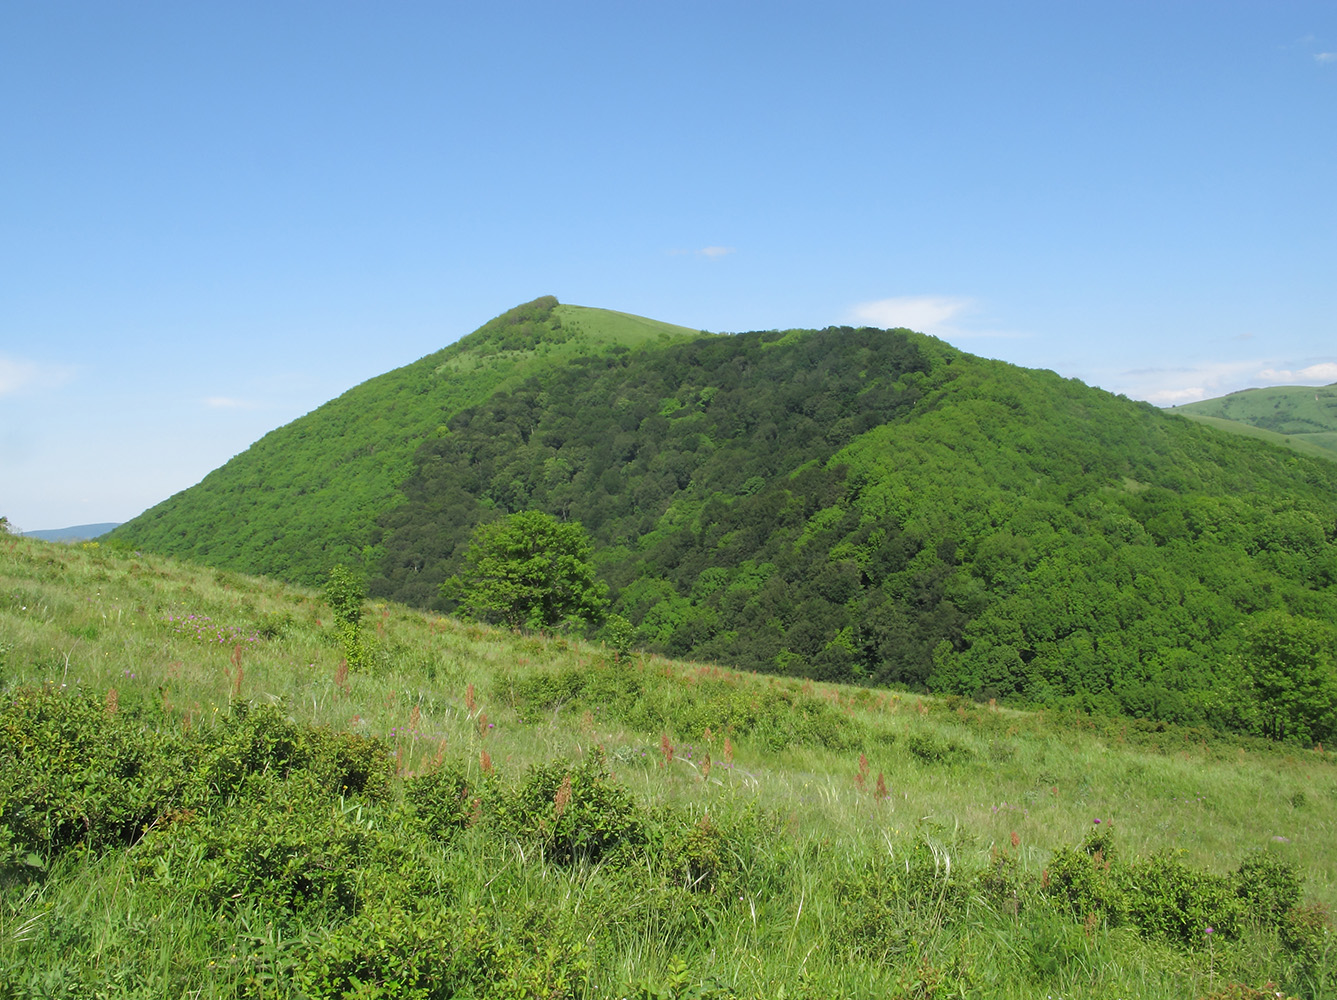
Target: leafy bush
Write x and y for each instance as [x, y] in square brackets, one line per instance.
[261, 739]
[891, 902]
[1087, 882]
[75, 771]
[1167, 898]
[573, 811]
[1164, 897]
[441, 799]
[1307, 933]
[1268, 886]
[931, 749]
[286, 846]
[429, 952]
[344, 594]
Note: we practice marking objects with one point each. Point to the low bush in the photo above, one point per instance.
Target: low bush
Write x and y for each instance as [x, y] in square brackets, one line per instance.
[442, 800]
[573, 811]
[76, 771]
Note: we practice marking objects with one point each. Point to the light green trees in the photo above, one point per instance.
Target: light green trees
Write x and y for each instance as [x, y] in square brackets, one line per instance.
[1291, 671]
[529, 570]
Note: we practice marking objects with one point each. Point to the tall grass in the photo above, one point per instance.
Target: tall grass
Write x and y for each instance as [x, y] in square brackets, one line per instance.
[781, 868]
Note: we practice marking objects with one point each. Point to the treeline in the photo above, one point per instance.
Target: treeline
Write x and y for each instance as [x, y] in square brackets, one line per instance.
[872, 506]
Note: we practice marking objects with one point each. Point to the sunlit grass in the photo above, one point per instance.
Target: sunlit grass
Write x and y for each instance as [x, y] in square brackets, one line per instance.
[969, 781]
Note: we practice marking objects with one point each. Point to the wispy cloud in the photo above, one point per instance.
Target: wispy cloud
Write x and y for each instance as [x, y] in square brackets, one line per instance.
[710, 252]
[1325, 57]
[230, 403]
[939, 315]
[17, 375]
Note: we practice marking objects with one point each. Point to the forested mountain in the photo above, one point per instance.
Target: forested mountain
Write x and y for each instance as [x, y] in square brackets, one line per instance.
[1302, 417]
[308, 496]
[842, 504]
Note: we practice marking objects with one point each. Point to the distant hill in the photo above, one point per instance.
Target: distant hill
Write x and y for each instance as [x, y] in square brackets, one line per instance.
[1300, 417]
[78, 533]
[849, 505]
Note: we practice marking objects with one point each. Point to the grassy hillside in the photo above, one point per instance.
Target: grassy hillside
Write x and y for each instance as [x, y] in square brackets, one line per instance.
[196, 797]
[1295, 416]
[308, 495]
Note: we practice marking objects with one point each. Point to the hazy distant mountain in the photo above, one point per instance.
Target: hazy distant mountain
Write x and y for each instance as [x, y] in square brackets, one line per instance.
[78, 533]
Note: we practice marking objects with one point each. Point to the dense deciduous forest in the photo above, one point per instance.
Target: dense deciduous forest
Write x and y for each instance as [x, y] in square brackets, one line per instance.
[875, 506]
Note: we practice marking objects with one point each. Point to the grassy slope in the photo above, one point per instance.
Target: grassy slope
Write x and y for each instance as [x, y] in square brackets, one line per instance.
[621, 328]
[87, 619]
[318, 484]
[1317, 445]
[1300, 417]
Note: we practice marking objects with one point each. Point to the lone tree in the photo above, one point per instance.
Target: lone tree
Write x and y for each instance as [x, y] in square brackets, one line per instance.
[529, 570]
[344, 595]
[1292, 671]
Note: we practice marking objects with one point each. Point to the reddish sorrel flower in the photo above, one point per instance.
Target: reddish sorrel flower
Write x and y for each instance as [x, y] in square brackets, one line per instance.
[562, 798]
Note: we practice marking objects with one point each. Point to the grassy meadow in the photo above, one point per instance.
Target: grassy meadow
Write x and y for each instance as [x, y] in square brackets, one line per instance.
[199, 798]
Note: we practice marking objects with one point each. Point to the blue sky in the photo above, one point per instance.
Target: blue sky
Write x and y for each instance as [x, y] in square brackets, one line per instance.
[216, 216]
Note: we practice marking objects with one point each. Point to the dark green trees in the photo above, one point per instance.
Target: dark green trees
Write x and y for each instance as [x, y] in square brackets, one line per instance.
[529, 570]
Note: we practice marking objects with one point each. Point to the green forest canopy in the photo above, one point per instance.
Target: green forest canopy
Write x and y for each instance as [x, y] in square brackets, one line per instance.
[844, 504]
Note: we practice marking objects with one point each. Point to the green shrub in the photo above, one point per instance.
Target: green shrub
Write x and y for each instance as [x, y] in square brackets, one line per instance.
[573, 811]
[1162, 896]
[275, 625]
[262, 740]
[1307, 934]
[75, 771]
[441, 799]
[931, 749]
[1167, 898]
[1086, 881]
[889, 903]
[1268, 886]
[286, 847]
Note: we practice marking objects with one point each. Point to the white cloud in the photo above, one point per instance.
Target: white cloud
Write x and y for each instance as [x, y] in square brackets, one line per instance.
[1166, 386]
[922, 313]
[230, 403]
[17, 375]
[1325, 57]
[713, 252]
[1324, 371]
[1168, 397]
[938, 315]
